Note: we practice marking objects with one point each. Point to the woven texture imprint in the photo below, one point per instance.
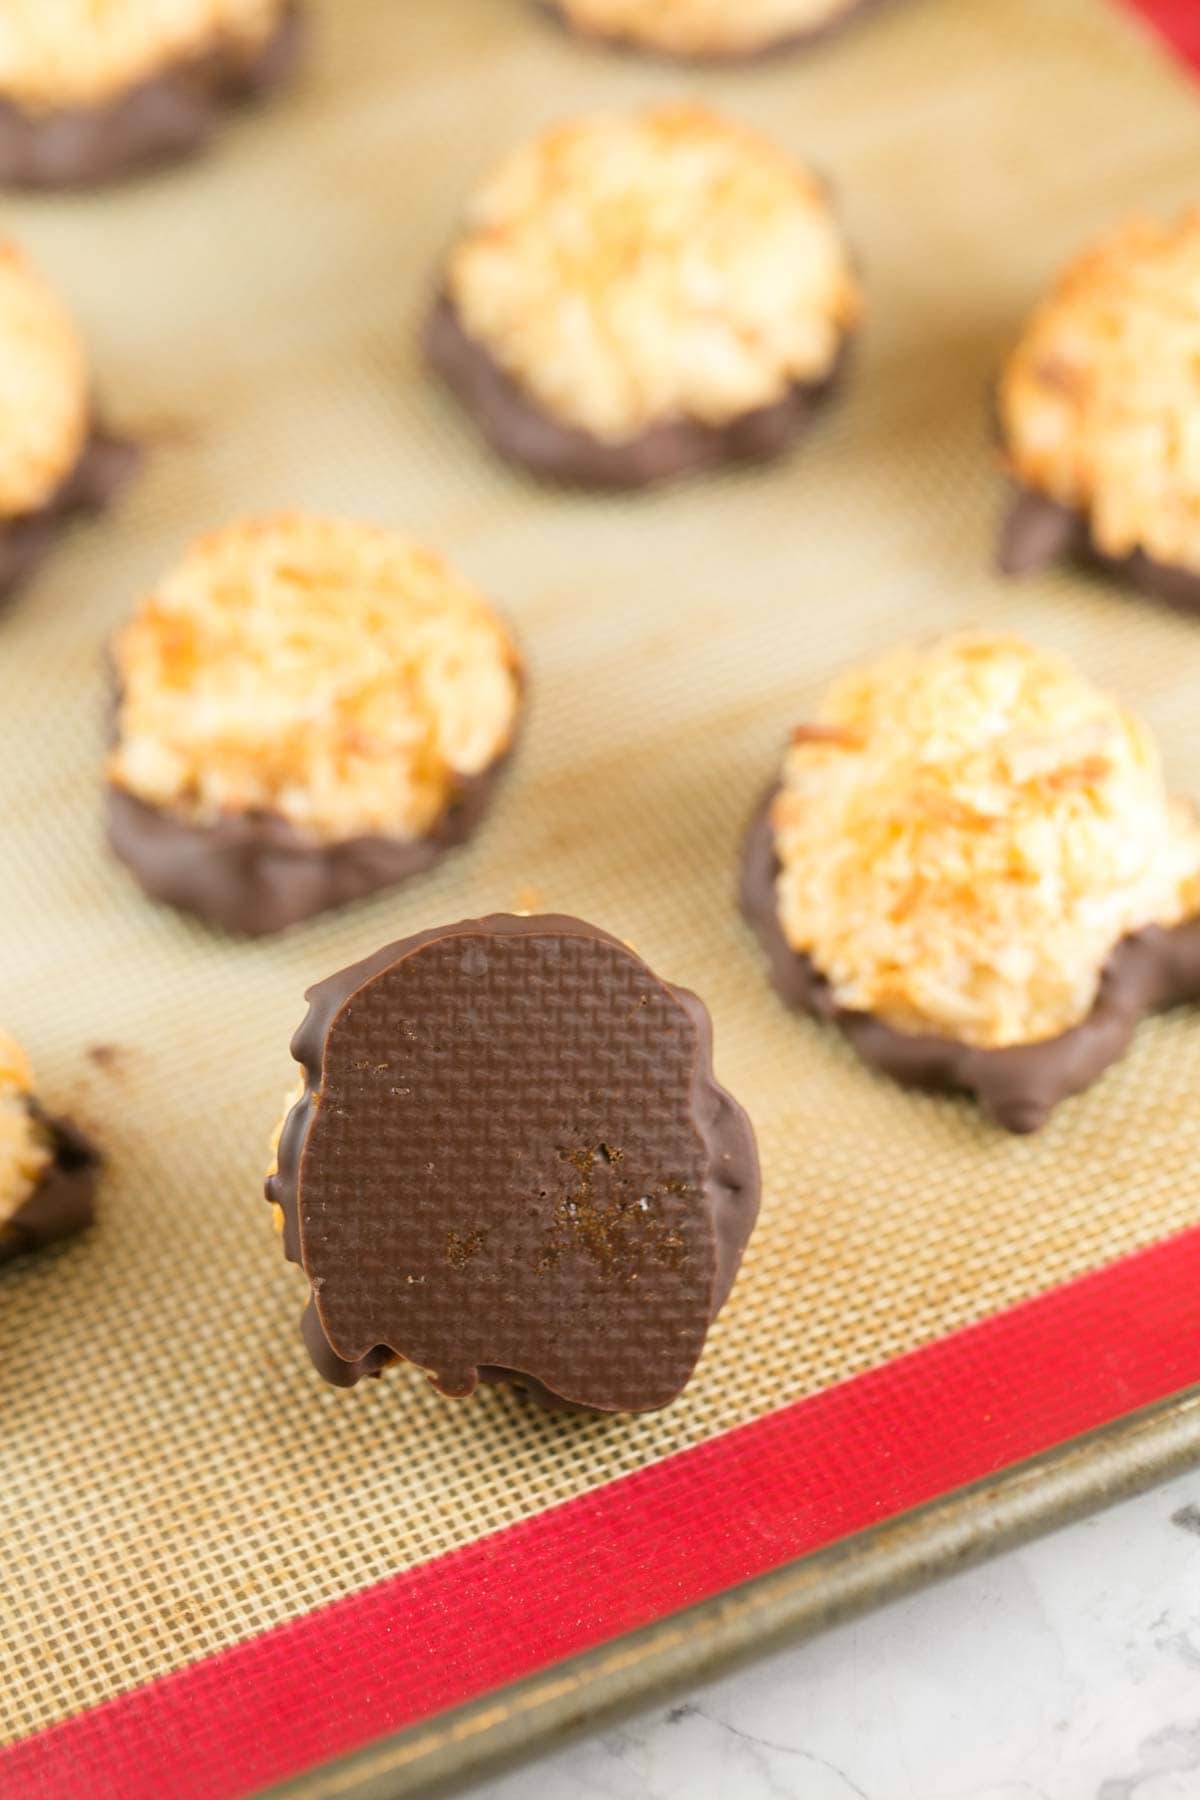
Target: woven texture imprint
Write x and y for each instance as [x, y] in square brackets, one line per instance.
[520, 1044]
[175, 1475]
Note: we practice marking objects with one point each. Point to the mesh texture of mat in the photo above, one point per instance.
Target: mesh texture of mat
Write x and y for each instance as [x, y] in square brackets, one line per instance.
[175, 1475]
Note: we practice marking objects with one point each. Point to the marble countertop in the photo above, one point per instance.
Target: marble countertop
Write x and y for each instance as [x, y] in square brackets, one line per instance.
[1067, 1670]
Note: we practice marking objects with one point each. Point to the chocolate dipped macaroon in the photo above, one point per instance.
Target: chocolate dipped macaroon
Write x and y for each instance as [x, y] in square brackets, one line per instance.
[89, 92]
[707, 30]
[56, 457]
[1099, 415]
[971, 864]
[48, 1169]
[633, 297]
[307, 710]
[509, 1161]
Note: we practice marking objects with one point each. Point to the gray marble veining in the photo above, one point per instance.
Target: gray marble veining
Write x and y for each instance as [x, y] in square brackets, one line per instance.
[1068, 1670]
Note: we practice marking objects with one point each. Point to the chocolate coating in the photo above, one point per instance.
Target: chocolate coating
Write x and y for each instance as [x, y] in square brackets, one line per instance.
[105, 466]
[512, 1162]
[522, 433]
[1019, 1085]
[1038, 530]
[806, 37]
[256, 873]
[63, 1202]
[168, 116]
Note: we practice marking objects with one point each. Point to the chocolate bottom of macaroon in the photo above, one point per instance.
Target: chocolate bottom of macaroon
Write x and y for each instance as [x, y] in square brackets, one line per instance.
[539, 1302]
[169, 115]
[1019, 1085]
[102, 471]
[340, 1373]
[1038, 530]
[523, 433]
[256, 873]
[63, 1202]
[804, 37]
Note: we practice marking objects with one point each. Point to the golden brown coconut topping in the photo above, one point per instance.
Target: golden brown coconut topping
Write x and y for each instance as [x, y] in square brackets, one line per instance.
[1100, 400]
[44, 400]
[626, 270]
[702, 28]
[965, 833]
[58, 54]
[339, 676]
[25, 1147]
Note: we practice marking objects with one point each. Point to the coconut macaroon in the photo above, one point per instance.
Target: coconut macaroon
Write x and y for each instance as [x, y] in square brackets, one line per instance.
[47, 1168]
[561, 1202]
[90, 91]
[1099, 409]
[634, 296]
[308, 709]
[54, 457]
[707, 30]
[971, 863]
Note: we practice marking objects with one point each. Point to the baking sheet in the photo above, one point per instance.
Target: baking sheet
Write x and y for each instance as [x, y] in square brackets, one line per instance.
[176, 1478]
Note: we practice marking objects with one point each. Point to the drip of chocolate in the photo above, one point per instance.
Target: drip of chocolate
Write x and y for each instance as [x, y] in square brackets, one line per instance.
[512, 1162]
[103, 469]
[525, 434]
[157, 120]
[1019, 1085]
[1038, 530]
[63, 1202]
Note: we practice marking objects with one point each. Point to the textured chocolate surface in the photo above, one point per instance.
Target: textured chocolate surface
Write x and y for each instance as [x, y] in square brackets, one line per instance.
[155, 121]
[105, 466]
[522, 433]
[63, 1202]
[255, 873]
[805, 38]
[512, 1162]
[1038, 530]
[1017, 1086]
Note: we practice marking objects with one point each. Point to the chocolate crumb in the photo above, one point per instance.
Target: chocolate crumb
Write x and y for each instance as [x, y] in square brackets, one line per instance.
[462, 1246]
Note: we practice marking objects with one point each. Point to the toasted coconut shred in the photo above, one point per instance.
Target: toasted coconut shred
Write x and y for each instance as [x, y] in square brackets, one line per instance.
[967, 832]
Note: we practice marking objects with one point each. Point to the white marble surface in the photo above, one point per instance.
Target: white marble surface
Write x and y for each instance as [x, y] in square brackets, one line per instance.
[1068, 1670]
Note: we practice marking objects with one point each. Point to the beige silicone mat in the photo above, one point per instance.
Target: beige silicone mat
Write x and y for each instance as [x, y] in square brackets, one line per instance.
[173, 1474]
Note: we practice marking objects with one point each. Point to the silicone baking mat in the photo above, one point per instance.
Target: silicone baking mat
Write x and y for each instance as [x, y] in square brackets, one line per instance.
[216, 1572]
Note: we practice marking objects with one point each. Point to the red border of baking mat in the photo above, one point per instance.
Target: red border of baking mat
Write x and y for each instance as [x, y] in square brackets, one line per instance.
[640, 1547]
[649, 1543]
[1176, 20]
